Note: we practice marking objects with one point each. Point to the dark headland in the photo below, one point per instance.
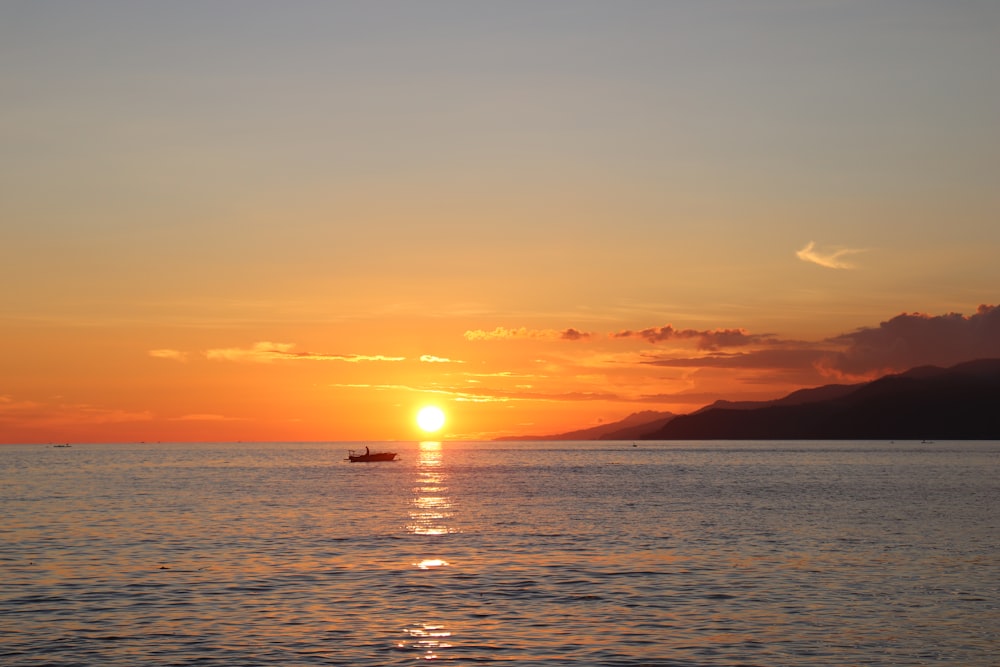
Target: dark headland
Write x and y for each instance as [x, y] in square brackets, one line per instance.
[925, 403]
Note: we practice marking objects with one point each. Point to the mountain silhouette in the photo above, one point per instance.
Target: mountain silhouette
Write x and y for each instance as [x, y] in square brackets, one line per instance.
[957, 403]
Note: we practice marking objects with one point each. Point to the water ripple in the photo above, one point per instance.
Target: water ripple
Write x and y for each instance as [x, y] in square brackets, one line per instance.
[691, 556]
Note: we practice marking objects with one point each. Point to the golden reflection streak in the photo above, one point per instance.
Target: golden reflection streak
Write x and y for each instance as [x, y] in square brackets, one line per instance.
[429, 639]
[430, 504]
[429, 515]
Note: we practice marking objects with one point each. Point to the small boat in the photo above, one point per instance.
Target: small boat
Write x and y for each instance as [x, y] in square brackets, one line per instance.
[370, 456]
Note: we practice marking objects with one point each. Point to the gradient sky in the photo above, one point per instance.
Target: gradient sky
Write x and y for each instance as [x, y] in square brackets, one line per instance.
[239, 220]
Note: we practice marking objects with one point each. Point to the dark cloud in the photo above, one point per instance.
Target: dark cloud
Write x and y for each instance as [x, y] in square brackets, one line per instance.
[657, 334]
[573, 334]
[712, 339]
[910, 340]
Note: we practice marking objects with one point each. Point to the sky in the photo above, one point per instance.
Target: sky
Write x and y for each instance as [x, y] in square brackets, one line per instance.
[260, 221]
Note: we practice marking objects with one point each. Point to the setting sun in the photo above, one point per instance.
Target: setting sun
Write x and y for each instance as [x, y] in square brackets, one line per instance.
[430, 419]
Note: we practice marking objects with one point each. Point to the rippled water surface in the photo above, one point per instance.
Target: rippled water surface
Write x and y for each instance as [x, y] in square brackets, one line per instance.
[819, 553]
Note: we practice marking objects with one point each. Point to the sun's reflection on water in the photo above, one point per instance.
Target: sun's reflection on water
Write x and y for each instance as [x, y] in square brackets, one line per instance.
[431, 506]
[430, 515]
[429, 638]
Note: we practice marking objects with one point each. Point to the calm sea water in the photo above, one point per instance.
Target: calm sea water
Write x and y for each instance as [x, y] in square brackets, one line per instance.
[791, 553]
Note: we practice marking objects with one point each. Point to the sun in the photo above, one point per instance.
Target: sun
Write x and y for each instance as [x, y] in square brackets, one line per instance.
[430, 419]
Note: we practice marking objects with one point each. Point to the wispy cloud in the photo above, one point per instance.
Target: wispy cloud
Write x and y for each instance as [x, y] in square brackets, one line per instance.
[175, 355]
[349, 358]
[431, 359]
[834, 259]
[493, 394]
[267, 352]
[503, 333]
[499, 374]
[455, 394]
[262, 352]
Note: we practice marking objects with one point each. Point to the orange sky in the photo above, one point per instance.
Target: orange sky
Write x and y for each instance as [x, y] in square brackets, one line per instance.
[306, 222]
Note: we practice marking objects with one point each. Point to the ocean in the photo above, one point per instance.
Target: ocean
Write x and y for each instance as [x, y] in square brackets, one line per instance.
[472, 553]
